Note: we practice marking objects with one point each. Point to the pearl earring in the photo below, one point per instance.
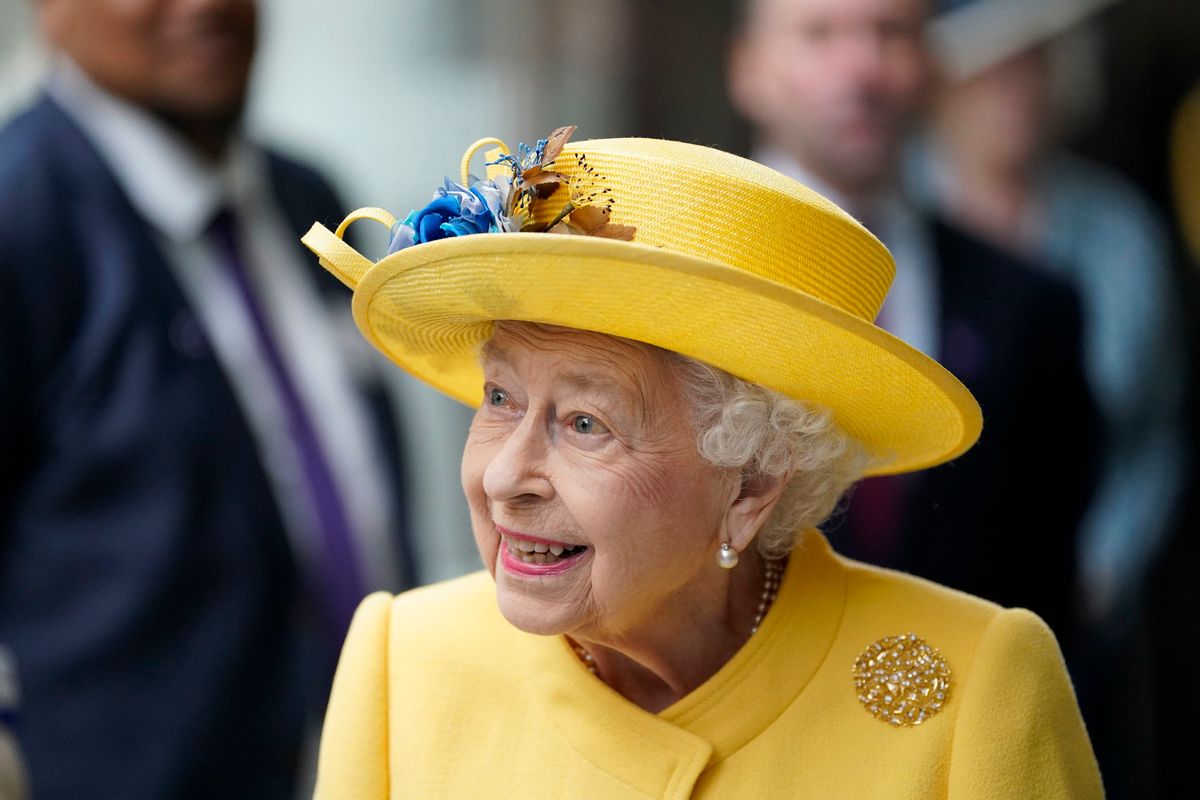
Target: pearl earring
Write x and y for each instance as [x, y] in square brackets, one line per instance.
[727, 557]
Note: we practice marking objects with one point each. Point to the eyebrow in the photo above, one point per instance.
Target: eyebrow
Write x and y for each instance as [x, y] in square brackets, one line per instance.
[579, 381]
[608, 392]
[493, 351]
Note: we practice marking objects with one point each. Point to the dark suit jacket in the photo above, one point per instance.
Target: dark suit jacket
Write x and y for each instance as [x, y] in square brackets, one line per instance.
[1001, 521]
[146, 584]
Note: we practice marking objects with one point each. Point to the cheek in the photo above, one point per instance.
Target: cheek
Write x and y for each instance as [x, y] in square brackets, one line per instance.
[799, 83]
[476, 456]
[815, 106]
[129, 36]
[119, 53]
[472, 468]
[977, 113]
[908, 78]
[650, 509]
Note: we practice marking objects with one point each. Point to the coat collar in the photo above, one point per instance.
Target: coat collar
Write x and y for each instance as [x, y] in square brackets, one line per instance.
[661, 753]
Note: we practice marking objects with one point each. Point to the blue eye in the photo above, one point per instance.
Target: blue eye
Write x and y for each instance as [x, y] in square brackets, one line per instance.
[496, 397]
[585, 424]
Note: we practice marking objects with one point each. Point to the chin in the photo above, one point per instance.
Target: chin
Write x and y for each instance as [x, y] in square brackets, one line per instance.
[539, 617]
[865, 169]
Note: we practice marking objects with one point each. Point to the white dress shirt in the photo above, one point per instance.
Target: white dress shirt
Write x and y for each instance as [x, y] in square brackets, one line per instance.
[178, 193]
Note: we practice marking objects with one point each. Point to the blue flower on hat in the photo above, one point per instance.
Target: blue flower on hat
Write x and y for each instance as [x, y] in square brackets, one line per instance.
[454, 211]
[503, 204]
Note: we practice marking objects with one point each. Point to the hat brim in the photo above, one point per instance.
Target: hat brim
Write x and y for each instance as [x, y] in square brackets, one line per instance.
[976, 36]
[430, 307]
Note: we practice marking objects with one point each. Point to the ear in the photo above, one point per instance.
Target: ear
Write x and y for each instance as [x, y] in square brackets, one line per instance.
[755, 501]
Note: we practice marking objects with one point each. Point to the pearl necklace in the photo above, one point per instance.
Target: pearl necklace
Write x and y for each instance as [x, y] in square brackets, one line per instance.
[772, 574]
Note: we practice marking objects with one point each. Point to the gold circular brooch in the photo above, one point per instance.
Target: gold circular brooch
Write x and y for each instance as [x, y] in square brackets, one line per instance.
[902, 680]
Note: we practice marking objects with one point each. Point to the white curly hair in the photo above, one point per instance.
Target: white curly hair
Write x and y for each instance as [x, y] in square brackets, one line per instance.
[759, 432]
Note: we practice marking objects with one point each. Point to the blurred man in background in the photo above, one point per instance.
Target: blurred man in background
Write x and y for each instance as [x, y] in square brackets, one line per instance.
[993, 165]
[1015, 73]
[183, 535]
[832, 88]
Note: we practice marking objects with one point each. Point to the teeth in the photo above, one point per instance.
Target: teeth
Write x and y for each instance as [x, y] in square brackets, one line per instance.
[538, 553]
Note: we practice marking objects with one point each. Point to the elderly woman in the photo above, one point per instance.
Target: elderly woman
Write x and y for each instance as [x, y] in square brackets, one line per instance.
[677, 378]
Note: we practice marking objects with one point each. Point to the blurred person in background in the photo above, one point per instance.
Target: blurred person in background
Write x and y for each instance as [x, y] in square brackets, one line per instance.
[1017, 76]
[994, 165]
[831, 89]
[1171, 592]
[182, 538]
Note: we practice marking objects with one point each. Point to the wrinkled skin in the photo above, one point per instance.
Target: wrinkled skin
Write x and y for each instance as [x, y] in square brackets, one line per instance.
[584, 439]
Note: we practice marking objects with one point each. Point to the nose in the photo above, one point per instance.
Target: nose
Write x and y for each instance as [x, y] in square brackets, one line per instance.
[517, 472]
[862, 55]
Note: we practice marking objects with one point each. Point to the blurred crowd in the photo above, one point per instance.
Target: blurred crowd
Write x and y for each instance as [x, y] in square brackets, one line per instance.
[184, 530]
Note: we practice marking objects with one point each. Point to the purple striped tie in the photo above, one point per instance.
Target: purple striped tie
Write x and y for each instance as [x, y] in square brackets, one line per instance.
[340, 576]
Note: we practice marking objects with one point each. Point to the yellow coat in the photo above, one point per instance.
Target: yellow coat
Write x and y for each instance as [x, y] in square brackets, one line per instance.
[438, 696]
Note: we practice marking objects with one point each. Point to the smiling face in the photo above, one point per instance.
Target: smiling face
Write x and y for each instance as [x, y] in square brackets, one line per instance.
[583, 441]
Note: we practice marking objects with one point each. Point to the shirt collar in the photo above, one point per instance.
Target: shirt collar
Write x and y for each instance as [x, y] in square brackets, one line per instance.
[779, 160]
[886, 214]
[176, 189]
[911, 308]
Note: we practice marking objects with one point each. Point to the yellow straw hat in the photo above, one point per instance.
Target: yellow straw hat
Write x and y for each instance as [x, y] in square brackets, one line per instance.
[730, 263]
